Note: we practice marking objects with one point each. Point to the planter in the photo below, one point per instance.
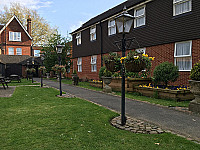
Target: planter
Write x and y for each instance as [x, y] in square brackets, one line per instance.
[177, 95]
[134, 66]
[130, 83]
[75, 79]
[106, 87]
[48, 75]
[95, 84]
[195, 89]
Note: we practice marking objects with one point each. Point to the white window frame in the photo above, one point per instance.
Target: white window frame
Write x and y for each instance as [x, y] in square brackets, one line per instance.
[140, 16]
[11, 51]
[141, 50]
[180, 2]
[14, 36]
[78, 38]
[79, 64]
[36, 54]
[110, 27]
[183, 56]
[18, 51]
[93, 35]
[94, 63]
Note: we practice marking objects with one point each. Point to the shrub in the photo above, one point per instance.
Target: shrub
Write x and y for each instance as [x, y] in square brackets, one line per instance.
[165, 72]
[107, 73]
[101, 71]
[195, 72]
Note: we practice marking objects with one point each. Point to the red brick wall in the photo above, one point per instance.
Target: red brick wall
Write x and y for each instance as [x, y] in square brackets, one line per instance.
[25, 43]
[161, 53]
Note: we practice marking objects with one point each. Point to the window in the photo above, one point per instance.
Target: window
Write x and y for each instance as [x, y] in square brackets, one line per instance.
[111, 27]
[139, 15]
[93, 33]
[14, 36]
[78, 38]
[182, 6]
[19, 51]
[36, 53]
[141, 50]
[10, 51]
[183, 55]
[94, 63]
[79, 64]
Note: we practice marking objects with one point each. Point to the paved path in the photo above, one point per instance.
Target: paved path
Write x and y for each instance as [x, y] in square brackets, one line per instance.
[168, 119]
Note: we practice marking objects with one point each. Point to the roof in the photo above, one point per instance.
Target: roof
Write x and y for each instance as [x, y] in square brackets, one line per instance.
[13, 59]
[14, 17]
[111, 12]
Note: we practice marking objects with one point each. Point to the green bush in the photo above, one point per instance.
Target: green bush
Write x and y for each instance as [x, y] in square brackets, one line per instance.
[107, 73]
[165, 72]
[195, 72]
[101, 71]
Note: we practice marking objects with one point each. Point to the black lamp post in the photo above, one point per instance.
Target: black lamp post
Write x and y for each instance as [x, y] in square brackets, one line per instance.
[124, 23]
[59, 52]
[27, 71]
[32, 67]
[42, 59]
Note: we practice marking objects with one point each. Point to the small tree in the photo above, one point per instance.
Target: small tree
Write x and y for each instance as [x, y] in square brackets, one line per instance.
[50, 54]
[165, 72]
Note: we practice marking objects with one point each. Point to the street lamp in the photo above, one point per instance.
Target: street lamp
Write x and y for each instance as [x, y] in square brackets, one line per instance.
[42, 59]
[59, 52]
[27, 73]
[32, 67]
[124, 23]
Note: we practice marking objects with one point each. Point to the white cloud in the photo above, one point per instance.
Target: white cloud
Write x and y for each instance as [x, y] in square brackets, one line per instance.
[78, 25]
[34, 4]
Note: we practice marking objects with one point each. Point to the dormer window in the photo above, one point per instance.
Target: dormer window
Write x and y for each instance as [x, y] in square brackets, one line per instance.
[93, 33]
[15, 36]
[139, 15]
[111, 27]
[78, 38]
[182, 6]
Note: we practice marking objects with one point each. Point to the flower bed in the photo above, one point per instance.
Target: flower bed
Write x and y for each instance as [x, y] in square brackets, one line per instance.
[96, 83]
[176, 93]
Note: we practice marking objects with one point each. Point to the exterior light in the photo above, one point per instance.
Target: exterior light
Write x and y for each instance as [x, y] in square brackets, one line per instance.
[59, 49]
[124, 22]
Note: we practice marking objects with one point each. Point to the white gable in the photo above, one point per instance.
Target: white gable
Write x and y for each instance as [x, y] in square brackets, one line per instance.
[14, 17]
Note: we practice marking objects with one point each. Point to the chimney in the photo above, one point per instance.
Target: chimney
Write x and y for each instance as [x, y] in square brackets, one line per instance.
[29, 25]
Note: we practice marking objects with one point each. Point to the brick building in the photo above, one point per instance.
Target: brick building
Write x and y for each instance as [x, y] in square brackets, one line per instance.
[166, 29]
[16, 47]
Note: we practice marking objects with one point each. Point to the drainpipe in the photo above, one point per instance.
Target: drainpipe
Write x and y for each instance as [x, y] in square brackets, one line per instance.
[5, 40]
[101, 44]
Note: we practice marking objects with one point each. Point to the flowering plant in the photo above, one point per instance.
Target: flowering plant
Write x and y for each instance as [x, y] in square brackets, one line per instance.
[31, 70]
[42, 68]
[59, 68]
[112, 62]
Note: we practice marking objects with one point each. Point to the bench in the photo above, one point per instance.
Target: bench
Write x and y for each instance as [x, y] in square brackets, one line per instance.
[4, 82]
[15, 78]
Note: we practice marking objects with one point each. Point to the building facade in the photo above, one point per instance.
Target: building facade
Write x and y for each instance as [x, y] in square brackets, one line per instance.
[165, 29]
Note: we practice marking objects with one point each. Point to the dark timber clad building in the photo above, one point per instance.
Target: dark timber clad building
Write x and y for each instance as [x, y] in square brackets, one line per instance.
[166, 29]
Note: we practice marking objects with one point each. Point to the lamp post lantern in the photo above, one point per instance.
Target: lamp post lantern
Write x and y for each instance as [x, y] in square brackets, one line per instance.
[124, 23]
[59, 52]
[42, 59]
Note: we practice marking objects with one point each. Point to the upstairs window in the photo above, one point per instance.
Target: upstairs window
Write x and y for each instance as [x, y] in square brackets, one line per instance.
[10, 51]
[183, 55]
[79, 64]
[93, 33]
[94, 63]
[36, 53]
[78, 38]
[111, 27]
[19, 51]
[14, 36]
[182, 6]
[139, 15]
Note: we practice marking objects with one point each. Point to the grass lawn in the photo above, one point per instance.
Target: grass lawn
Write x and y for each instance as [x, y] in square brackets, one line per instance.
[34, 118]
[23, 82]
[164, 102]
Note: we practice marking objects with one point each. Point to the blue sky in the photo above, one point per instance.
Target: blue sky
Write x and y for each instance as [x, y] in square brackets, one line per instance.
[67, 15]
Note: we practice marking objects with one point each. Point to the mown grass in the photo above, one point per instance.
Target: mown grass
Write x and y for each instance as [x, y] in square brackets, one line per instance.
[136, 96]
[34, 118]
[23, 82]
